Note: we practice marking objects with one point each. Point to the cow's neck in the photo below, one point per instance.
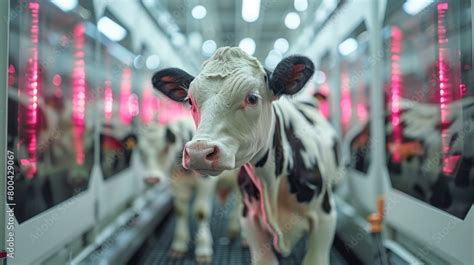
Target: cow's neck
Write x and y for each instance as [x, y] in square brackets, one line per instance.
[268, 140]
[267, 183]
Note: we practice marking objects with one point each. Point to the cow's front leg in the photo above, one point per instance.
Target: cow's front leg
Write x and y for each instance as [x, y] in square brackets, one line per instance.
[180, 243]
[321, 234]
[258, 241]
[202, 211]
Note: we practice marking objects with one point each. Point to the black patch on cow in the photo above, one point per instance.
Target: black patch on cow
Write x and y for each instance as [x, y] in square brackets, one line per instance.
[453, 139]
[263, 160]
[245, 210]
[278, 147]
[305, 181]
[310, 121]
[326, 203]
[247, 186]
[170, 137]
[466, 107]
[335, 148]
[308, 103]
[441, 195]
[200, 216]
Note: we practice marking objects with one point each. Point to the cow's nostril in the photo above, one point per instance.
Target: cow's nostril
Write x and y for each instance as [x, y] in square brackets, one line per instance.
[214, 154]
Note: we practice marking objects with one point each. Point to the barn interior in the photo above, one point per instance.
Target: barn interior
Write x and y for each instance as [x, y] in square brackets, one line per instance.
[393, 79]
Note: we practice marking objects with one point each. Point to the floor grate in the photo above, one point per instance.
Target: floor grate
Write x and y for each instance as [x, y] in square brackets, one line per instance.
[225, 251]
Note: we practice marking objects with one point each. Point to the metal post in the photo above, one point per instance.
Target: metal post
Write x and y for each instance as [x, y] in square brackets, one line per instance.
[377, 127]
[4, 27]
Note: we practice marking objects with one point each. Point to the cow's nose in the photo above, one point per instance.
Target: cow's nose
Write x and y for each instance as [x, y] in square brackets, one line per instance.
[200, 155]
[152, 180]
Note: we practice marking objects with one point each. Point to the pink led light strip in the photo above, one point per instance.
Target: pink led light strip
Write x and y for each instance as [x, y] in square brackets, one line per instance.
[147, 104]
[125, 93]
[32, 92]
[79, 92]
[445, 94]
[108, 101]
[396, 92]
[346, 104]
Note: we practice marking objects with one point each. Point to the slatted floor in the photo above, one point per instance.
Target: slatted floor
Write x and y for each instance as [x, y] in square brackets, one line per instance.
[226, 252]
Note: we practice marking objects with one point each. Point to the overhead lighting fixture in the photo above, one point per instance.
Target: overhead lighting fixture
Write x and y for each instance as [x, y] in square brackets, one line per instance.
[301, 5]
[178, 39]
[250, 10]
[138, 62]
[319, 77]
[281, 45]
[208, 48]
[292, 20]
[199, 12]
[152, 62]
[65, 5]
[413, 7]
[112, 30]
[348, 46]
[247, 45]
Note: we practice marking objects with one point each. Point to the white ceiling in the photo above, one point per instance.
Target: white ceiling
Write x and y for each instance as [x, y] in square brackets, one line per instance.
[224, 24]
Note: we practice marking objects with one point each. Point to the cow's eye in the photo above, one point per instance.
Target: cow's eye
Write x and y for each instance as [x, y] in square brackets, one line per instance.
[252, 99]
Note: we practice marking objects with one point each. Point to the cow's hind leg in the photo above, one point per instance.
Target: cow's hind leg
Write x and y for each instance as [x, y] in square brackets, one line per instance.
[259, 242]
[202, 213]
[321, 233]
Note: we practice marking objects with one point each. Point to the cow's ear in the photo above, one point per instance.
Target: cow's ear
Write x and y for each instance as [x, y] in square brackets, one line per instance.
[172, 82]
[290, 75]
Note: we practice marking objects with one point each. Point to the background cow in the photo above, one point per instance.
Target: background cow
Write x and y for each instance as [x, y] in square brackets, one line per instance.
[286, 150]
[160, 149]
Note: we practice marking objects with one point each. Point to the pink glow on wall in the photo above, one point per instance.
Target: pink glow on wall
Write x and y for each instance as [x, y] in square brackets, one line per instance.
[11, 75]
[462, 90]
[445, 93]
[147, 104]
[396, 90]
[324, 105]
[133, 105]
[361, 108]
[108, 101]
[79, 93]
[362, 113]
[125, 92]
[346, 101]
[170, 111]
[32, 89]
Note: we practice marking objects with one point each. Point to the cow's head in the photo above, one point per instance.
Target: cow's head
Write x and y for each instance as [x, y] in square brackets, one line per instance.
[159, 146]
[231, 101]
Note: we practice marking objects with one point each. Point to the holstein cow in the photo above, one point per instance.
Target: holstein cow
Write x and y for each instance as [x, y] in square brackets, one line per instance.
[160, 148]
[285, 149]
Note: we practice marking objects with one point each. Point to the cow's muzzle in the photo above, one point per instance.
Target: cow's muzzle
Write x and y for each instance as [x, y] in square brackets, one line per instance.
[208, 157]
